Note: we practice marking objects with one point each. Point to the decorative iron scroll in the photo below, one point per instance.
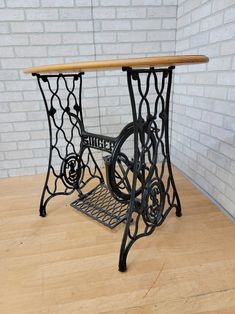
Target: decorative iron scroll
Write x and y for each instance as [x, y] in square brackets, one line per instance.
[151, 165]
[140, 189]
[76, 163]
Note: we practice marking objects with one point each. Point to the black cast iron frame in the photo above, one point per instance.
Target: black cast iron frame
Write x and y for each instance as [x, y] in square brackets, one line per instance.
[147, 196]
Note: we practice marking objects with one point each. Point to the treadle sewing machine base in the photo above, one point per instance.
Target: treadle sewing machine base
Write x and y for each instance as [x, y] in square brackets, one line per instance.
[140, 190]
[100, 205]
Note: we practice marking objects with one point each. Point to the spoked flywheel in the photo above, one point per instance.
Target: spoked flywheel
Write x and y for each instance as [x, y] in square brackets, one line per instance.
[120, 165]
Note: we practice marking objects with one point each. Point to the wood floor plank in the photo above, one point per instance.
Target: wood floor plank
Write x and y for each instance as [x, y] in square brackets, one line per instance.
[67, 263]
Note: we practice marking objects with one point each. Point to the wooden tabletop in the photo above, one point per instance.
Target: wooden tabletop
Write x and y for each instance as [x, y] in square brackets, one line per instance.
[120, 63]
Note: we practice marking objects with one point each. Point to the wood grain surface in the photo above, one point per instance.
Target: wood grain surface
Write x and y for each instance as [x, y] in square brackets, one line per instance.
[119, 63]
[66, 263]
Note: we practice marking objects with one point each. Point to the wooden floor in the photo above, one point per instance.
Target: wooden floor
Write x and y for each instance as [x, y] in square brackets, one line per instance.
[66, 263]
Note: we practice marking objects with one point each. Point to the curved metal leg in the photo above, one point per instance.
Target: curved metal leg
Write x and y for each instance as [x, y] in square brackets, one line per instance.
[66, 164]
[151, 160]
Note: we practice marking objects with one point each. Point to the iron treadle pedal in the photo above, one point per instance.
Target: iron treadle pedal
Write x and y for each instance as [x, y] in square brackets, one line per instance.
[102, 207]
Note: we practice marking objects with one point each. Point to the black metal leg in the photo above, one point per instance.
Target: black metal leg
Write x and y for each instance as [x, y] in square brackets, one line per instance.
[69, 158]
[152, 165]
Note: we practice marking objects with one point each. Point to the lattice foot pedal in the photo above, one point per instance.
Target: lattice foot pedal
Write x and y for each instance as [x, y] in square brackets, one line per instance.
[102, 207]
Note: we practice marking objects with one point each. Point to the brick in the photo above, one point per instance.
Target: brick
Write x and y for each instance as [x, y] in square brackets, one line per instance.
[231, 94]
[161, 35]
[3, 173]
[146, 47]
[6, 127]
[190, 30]
[183, 20]
[228, 47]
[193, 113]
[23, 3]
[41, 14]
[222, 134]
[222, 33]
[128, 13]
[209, 141]
[131, 36]
[205, 78]
[161, 12]
[211, 22]
[14, 40]
[11, 117]
[207, 164]
[215, 181]
[8, 164]
[57, 3]
[16, 63]
[21, 86]
[28, 126]
[229, 14]
[31, 144]
[218, 158]
[4, 28]
[201, 12]
[199, 39]
[188, 6]
[5, 147]
[170, 2]
[6, 52]
[104, 13]
[35, 51]
[26, 27]
[34, 162]
[146, 24]
[215, 92]
[117, 48]
[86, 50]
[11, 15]
[85, 26]
[63, 51]
[21, 172]
[105, 37]
[220, 5]
[225, 107]
[226, 78]
[39, 135]
[169, 23]
[116, 25]
[110, 3]
[221, 63]
[229, 123]
[45, 39]
[227, 150]
[212, 118]
[19, 154]
[23, 106]
[60, 27]
[75, 14]
[79, 38]
[167, 46]
[13, 96]
[15, 136]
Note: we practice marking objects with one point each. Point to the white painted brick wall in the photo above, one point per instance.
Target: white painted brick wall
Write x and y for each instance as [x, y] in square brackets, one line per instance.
[203, 143]
[36, 32]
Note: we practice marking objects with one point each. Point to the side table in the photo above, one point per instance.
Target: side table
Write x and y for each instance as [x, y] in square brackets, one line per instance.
[139, 189]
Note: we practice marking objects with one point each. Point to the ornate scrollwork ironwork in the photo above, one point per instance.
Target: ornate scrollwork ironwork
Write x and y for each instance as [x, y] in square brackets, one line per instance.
[71, 170]
[153, 202]
[151, 153]
[140, 184]
[65, 120]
